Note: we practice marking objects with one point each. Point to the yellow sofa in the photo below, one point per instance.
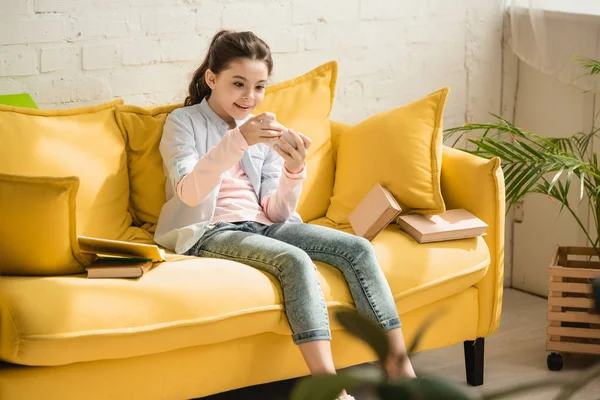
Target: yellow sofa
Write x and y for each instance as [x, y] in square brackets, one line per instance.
[192, 327]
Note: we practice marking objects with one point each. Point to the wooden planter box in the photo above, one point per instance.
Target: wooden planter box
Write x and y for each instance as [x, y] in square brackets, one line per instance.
[573, 327]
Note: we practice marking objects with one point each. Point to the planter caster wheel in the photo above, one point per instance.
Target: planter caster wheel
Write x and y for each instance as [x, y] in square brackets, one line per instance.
[555, 362]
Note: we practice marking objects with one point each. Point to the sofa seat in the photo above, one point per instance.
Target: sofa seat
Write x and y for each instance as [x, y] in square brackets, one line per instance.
[420, 274]
[190, 301]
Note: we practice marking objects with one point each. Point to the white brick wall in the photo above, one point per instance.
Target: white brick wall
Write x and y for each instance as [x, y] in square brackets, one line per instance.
[18, 60]
[100, 57]
[68, 53]
[16, 7]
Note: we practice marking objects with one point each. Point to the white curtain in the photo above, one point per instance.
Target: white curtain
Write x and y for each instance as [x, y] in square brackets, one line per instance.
[550, 35]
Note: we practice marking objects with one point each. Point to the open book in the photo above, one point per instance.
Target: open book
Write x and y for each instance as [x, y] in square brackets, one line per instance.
[119, 259]
[375, 211]
[105, 248]
[451, 225]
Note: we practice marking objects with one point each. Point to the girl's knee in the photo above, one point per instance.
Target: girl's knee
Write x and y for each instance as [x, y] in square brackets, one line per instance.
[361, 245]
[297, 261]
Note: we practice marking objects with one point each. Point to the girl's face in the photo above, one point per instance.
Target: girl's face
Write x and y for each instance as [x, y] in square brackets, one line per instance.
[237, 90]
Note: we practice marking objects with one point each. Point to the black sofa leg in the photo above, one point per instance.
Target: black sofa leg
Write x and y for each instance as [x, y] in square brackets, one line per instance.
[474, 361]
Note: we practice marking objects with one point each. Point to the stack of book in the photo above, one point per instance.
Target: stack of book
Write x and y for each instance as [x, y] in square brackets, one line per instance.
[119, 259]
[379, 208]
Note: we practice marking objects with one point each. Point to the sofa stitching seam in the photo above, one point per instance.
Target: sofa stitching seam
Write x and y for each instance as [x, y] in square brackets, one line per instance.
[432, 284]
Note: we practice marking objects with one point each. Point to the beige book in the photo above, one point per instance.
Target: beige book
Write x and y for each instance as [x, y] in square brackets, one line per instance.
[120, 249]
[375, 211]
[451, 225]
[116, 270]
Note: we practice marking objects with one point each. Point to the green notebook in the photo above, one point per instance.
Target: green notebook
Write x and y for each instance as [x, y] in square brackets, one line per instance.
[18, 100]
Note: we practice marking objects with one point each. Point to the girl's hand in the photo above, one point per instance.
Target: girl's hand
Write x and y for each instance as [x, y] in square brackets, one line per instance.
[261, 128]
[295, 159]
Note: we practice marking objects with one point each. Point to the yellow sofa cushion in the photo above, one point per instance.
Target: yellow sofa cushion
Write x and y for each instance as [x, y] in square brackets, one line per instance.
[194, 301]
[83, 142]
[38, 226]
[143, 128]
[304, 104]
[400, 149]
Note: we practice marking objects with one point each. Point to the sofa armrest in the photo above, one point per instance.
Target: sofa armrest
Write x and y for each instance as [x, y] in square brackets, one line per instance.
[477, 184]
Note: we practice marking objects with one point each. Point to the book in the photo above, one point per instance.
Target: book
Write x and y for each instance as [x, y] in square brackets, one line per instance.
[135, 252]
[374, 212]
[118, 269]
[451, 225]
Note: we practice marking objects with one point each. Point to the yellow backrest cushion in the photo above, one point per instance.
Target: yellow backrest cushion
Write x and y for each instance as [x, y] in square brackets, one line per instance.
[37, 231]
[304, 104]
[143, 128]
[83, 142]
[401, 149]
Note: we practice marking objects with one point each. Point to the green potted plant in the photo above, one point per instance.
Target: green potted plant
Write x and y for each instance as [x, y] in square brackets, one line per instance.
[533, 163]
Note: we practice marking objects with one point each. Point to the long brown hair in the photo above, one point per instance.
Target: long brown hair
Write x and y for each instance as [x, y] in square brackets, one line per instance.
[226, 46]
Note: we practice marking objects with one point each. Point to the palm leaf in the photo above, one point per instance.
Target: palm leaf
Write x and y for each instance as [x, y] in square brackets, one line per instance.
[326, 387]
[511, 171]
[511, 150]
[528, 159]
[556, 177]
[564, 196]
[569, 179]
[558, 193]
[515, 187]
[583, 140]
[491, 149]
[366, 330]
[536, 154]
[590, 65]
[554, 192]
[525, 155]
[526, 188]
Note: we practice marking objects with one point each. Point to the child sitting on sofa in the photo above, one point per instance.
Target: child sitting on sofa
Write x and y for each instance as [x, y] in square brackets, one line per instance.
[233, 184]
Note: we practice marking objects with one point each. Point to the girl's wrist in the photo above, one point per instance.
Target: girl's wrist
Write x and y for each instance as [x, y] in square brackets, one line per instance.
[300, 169]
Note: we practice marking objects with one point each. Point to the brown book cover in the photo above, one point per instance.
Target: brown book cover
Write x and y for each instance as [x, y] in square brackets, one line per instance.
[451, 225]
[375, 211]
[113, 269]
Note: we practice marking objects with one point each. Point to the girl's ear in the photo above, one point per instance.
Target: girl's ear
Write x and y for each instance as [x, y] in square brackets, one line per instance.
[210, 78]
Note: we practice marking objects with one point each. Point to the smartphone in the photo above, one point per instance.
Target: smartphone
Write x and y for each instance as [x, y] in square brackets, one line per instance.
[286, 135]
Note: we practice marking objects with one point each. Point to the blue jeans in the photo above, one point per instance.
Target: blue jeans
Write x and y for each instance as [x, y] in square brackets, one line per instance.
[287, 251]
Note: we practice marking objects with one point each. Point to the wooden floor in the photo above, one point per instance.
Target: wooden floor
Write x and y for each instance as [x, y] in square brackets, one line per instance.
[515, 354]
